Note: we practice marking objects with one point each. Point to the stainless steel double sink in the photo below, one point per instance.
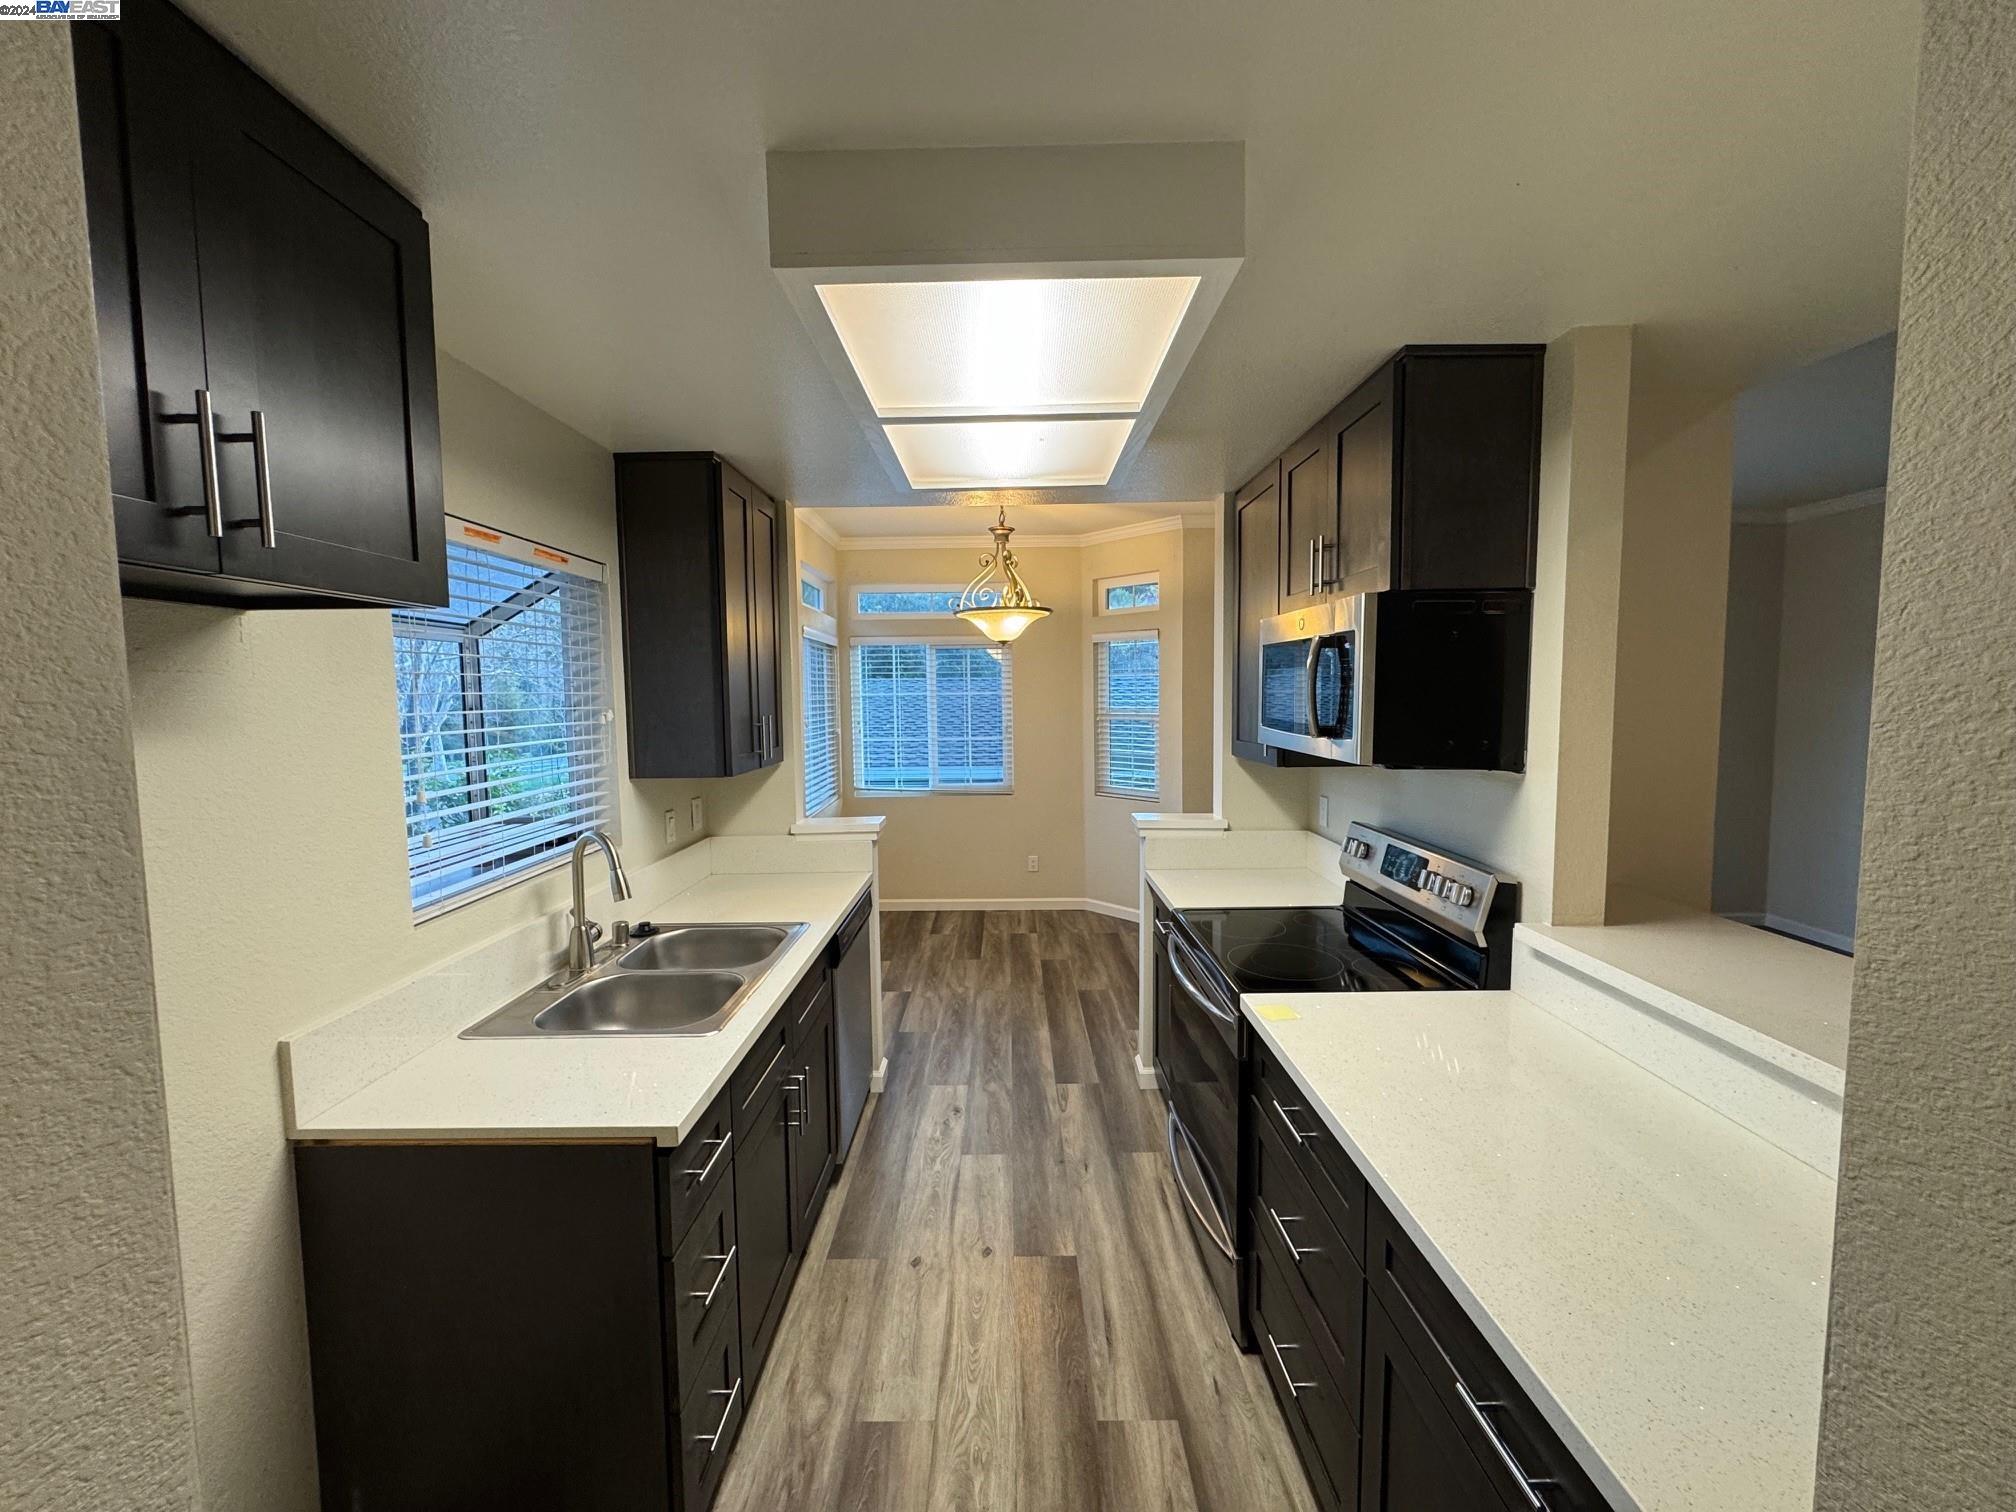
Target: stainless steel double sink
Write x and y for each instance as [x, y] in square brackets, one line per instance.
[679, 979]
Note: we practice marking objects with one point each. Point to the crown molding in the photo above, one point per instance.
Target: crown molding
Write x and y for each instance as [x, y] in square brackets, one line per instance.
[1817, 509]
[968, 540]
[817, 526]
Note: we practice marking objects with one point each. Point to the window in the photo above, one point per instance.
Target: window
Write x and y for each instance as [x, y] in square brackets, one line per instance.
[1125, 595]
[812, 594]
[932, 716]
[1127, 715]
[905, 603]
[503, 716]
[822, 735]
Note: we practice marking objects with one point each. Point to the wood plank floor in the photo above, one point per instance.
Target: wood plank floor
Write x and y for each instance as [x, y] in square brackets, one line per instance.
[1002, 1309]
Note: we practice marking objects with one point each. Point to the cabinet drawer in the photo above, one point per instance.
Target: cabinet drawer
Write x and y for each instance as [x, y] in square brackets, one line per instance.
[1329, 1282]
[1315, 1386]
[702, 1281]
[691, 1172]
[1526, 1462]
[710, 1419]
[808, 1000]
[761, 1073]
[1331, 1175]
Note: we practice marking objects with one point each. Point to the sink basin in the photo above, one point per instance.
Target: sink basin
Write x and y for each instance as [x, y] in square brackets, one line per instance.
[705, 947]
[682, 1003]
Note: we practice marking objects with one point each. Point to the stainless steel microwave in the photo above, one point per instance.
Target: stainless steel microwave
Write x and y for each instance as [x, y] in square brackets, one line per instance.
[1315, 682]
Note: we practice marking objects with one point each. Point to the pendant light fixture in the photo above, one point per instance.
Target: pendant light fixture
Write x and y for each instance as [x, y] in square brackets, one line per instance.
[997, 601]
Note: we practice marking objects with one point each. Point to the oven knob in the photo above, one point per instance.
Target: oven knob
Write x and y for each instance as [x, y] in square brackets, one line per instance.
[1432, 884]
[1466, 896]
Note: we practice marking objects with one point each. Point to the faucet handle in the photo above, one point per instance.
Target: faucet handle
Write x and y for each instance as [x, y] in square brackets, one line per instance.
[619, 933]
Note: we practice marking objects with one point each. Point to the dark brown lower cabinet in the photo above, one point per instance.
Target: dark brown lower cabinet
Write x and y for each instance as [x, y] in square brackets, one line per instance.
[1415, 1457]
[763, 1210]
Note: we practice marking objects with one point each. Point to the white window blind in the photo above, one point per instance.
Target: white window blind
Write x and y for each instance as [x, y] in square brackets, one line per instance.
[822, 734]
[504, 716]
[1127, 715]
[933, 716]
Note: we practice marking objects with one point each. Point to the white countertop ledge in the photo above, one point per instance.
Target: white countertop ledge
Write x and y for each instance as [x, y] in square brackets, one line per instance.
[599, 1086]
[1654, 1274]
[1246, 887]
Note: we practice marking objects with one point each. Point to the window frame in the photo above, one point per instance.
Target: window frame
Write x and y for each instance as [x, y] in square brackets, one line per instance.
[885, 616]
[1101, 586]
[486, 538]
[1101, 718]
[811, 577]
[823, 635]
[932, 642]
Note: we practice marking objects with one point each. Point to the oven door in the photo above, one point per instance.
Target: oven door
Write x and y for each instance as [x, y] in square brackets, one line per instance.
[1197, 1056]
[1315, 681]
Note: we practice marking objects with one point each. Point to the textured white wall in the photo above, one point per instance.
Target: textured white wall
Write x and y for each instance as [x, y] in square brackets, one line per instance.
[94, 1385]
[1921, 1383]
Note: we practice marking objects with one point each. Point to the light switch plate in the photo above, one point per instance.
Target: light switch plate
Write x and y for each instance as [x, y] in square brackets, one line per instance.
[1032, 863]
[696, 812]
[671, 826]
[1323, 811]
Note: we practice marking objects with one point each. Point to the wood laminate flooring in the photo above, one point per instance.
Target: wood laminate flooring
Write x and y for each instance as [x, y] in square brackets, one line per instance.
[1002, 1308]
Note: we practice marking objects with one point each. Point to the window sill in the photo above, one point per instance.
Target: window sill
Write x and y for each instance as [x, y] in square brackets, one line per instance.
[876, 795]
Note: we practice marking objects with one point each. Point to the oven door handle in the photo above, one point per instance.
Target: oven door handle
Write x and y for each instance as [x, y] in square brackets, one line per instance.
[1205, 1213]
[1177, 950]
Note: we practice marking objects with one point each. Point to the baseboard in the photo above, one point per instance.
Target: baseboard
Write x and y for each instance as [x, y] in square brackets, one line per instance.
[879, 1077]
[1144, 1076]
[1021, 905]
[1779, 924]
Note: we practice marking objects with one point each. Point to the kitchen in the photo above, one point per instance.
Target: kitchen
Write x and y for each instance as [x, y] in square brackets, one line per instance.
[696, 505]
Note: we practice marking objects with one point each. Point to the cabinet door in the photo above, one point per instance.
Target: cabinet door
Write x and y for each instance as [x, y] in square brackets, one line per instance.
[738, 685]
[144, 91]
[1256, 543]
[317, 315]
[1361, 430]
[763, 554]
[763, 1213]
[1308, 521]
[1469, 468]
[811, 1096]
[1413, 1455]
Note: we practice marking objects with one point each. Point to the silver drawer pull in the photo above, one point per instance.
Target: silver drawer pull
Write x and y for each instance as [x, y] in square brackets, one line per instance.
[1527, 1483]
[707, 1297]
[713, 1440]
[1300, 1137]
[720, 1148]
[262, 469]
[1295, 1253]
[1295, 1387]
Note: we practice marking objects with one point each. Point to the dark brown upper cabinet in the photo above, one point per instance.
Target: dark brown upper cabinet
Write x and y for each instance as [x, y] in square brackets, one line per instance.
[700, 549]
[1308, 521]
[1255, 533]
[266, 335]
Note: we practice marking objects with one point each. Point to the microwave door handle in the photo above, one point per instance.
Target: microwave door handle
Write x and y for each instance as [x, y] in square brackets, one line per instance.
[1324, 728]
[1311, 725]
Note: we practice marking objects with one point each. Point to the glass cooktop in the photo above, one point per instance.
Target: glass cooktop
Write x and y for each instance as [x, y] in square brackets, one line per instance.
[1306, 950]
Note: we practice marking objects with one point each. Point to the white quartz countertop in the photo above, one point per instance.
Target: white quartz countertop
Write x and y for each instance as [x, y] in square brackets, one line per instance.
[1246, 887]
[614, 1086]
[1654, 1274]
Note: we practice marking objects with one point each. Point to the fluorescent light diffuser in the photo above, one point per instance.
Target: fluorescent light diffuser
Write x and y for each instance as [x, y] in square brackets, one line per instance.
[1008, 346]
[1061, 453]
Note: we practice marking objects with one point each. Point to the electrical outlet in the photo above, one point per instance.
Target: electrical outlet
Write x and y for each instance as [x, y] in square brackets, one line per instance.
[696, 814]
[1323, 811]
[1032, 863]
[671, 826]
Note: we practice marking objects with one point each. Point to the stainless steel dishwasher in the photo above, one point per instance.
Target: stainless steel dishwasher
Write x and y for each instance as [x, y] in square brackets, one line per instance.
[853, 1019]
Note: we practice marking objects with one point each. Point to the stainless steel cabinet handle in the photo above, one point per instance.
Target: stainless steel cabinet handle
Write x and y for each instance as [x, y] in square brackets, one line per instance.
[269, 533]
[1300, 1137]
[790, 1086]
[707, 1297]
[206, 445]
[1295, 1252]
[1526, 1482]
[713, 1440]
[1315, 545]
[720, 1149]
[1295, 1387]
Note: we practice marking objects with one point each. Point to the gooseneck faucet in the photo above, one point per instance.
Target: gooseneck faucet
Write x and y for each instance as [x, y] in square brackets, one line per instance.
[581, 938]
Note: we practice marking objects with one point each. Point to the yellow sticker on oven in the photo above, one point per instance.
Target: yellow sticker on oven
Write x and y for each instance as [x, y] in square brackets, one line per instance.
[1275, 1013]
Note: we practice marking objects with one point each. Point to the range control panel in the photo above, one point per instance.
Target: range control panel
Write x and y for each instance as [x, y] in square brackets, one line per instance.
[1450, 888]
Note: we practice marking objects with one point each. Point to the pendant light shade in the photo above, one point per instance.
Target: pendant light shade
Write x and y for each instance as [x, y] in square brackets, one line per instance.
[997, 602]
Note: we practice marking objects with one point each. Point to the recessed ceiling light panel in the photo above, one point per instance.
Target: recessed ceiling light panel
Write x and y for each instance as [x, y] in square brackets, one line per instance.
[1062, 453]
[1008, 346]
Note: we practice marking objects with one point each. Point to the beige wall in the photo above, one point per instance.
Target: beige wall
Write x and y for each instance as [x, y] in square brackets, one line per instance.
[1921, 1381]
[939, 847]
[1200, 672]
[1749, 717]
[1672, 608]
[270, 807]
[94, 1381]
[1514, 822]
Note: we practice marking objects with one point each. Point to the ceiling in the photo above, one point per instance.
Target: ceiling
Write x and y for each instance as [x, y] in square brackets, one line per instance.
[1821, 431]
[1032, 522]
[1726, 174]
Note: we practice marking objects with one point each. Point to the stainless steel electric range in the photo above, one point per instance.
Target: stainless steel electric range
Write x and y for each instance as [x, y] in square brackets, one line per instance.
[1414, 919]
